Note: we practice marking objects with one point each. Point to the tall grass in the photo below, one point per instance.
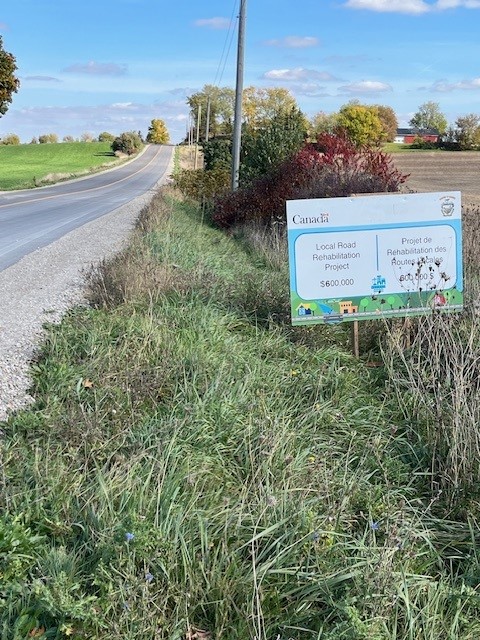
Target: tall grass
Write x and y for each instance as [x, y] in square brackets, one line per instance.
[436, 382]
[195, 468]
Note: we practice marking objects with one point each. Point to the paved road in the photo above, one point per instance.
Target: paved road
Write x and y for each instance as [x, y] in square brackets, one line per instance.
[34, 218]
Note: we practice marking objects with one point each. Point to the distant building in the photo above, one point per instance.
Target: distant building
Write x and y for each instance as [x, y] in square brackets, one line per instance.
[408, 136]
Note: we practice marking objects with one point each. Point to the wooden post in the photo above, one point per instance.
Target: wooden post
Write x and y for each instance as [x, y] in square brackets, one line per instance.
[199, 117]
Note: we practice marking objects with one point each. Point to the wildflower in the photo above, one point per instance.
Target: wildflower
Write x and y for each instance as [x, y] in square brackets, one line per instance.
[374, 526]
[294, 372]
[311, 459]
[129, 536]
[272, 501]
[148, 577]
[315, 536]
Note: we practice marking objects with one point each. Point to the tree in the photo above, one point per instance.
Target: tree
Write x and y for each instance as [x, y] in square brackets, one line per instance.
[324, 123]
[467, 132]
[106, 137]
[429, 116]
[158, 132]
[361, 124]
[389, 121]
[9, 83]
[260, 106]
[217, 105]
[264, 149]
[48, 138]
[128, 142]
[68, 139]
[10, 139]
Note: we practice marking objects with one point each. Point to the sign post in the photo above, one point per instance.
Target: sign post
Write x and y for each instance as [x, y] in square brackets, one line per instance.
[376, 256]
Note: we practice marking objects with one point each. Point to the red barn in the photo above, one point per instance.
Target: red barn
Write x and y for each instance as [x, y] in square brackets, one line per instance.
[408, 136]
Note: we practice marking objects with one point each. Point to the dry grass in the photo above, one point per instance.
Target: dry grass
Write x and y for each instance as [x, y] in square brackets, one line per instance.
[136, 271]
[436, 381]
[189, 157]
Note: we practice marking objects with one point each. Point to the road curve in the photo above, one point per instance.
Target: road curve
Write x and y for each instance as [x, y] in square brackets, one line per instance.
[31, 219]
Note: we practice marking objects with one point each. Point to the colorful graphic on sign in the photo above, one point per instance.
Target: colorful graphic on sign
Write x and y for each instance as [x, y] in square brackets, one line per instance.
[390, 255]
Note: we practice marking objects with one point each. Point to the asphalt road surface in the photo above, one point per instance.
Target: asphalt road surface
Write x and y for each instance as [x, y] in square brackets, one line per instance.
[34, 218]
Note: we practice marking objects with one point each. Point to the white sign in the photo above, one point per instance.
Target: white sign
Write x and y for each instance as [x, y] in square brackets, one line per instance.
[393, 254]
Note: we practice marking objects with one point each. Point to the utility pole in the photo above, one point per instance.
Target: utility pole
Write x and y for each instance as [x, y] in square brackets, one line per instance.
[199, 117]
[237, 124]
[207, 126]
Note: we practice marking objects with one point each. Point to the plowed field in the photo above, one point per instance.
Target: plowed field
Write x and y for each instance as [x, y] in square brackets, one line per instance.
[442, 171]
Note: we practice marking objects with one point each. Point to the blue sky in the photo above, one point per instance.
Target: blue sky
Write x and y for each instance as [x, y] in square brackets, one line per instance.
[114, 65]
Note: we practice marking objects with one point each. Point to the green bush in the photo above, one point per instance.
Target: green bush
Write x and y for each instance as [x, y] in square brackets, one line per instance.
[106, 137]
[129, 142]
[264, 150]
[217, 154]
[202, 185]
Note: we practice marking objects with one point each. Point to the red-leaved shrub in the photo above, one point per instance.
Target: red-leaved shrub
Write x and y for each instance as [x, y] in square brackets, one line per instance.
[332, 168]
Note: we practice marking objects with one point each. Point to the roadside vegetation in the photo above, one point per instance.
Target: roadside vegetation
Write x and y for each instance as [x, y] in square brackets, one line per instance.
[195, 468]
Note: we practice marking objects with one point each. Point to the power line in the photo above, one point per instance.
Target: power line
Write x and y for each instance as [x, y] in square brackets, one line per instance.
[226, 47]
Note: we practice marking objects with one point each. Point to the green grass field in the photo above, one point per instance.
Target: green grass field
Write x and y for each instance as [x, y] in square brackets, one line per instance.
[393, 147]
[31, 165]
[194, 468]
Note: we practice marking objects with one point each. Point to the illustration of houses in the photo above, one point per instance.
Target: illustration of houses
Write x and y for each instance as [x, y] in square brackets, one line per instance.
[439, 300]
[346, 306]
[305, 310]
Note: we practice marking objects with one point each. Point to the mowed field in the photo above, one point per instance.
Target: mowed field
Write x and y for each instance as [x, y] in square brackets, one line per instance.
[442, 171]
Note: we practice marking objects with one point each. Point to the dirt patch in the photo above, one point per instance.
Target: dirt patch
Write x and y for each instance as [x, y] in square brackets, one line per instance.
[442, 171]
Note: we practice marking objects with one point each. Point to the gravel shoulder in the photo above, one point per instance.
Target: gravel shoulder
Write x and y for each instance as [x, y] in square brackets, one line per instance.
[41, 287]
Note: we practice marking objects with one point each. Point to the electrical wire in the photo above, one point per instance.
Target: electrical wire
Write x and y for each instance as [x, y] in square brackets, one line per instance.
[227, 45]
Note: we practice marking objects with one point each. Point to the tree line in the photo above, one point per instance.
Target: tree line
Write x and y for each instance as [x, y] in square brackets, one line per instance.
[129, 141]
[212, 109]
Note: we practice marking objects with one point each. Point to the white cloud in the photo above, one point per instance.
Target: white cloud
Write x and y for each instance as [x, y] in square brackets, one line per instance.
[123, 105]
[446, 87]
[213, 23]
[454, 4]
[297, 74]
[294, 42]
[365, 87]
[98, 68]
[40, 79]
[391, 6]
[412, 7]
